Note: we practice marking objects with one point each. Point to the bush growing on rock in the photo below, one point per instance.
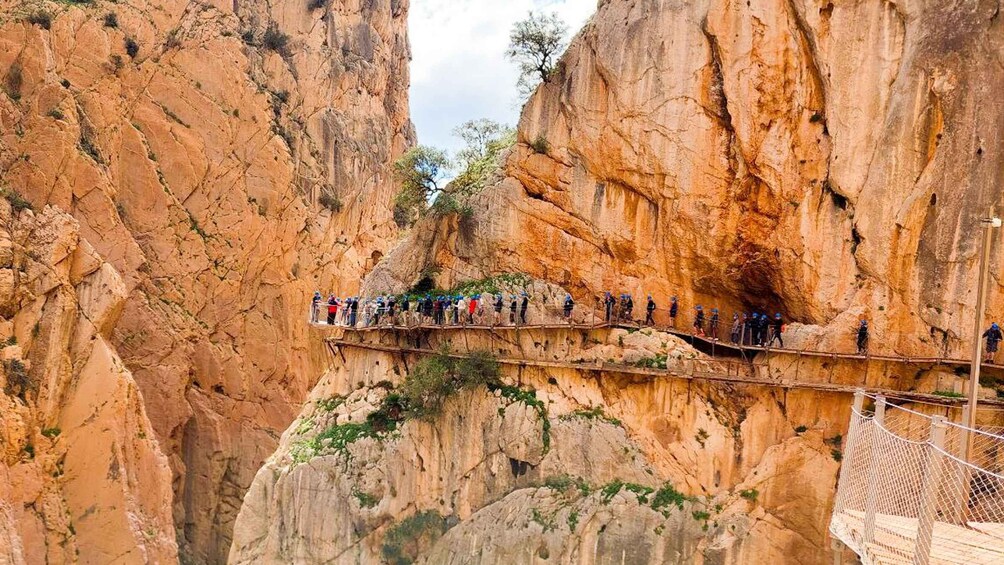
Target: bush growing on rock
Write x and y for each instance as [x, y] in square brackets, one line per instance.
[330, 200]
[111, 20]
[131, 47]
[16, 201]
[41, 18]
[19, 383]
[275, 40]
[436, 378]
[414, 535]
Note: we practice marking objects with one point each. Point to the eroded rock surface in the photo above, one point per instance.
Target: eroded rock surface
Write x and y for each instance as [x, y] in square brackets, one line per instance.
[487, 481]
[827, 160]
[83, 478]
[224, 159]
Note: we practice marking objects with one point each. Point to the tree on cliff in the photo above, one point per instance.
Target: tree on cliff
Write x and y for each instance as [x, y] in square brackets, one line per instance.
[484, 140]
[419, 171]
[535, 45]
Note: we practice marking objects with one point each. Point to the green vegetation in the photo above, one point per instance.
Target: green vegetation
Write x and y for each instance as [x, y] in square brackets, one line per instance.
[701, 515]
[540, 145]
[484, 141]
[88, 147]
[275, 40]
[546, 521]
[41, 19]
[701, 436]
[573, 520]
[535, 45]
[19, 383]
[505, 282]
[407, 540]
[657, 362]
[420, 171]
[366, 500]
[562, 483]
[317, 4]
[12, 340]
[528, 397]
[55, 114]
[51, 432]
[595, 413]
[801, 430]
[111, 20]
[435, 378]
[330, 200]
[949, 394]
[750, 494]
[14, 81]
[131, 47]
[666, 496]
[837, 455]
[329, 404]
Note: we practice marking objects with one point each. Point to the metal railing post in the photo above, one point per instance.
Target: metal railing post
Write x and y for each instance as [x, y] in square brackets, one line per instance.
[871, 502]
[929, 493]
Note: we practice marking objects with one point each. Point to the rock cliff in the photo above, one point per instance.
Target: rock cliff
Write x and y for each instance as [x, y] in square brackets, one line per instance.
[222, 159]
[826, 160]
[83, 476]
[564, 466]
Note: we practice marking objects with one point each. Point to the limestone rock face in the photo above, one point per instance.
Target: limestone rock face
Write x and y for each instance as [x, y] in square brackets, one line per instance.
[827, 160]
[83, 478]
[487, 481]
[224, 159]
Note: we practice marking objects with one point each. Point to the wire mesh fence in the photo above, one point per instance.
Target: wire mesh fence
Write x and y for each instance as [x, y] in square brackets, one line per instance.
[916, 488]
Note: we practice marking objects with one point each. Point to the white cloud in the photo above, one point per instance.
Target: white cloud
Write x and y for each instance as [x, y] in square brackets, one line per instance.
[459, 71]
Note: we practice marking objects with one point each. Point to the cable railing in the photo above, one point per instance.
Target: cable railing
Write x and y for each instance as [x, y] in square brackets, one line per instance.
[917, 488]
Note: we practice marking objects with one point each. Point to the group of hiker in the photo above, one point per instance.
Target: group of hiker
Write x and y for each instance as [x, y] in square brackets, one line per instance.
[408, 310]
[746, 329]
[754, 328]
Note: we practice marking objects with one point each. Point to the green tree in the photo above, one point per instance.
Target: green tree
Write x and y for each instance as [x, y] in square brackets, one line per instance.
[535, 45]
[420, 172]
[484, 140]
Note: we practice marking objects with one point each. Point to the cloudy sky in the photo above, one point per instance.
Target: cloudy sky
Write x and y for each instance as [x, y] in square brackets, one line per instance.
[459, 71]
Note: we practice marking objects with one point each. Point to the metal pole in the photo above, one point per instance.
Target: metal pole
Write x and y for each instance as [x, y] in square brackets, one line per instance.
[929, 493]
[981, 297]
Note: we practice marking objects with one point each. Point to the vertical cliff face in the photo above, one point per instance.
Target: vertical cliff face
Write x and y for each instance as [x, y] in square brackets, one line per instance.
[223, 159]
[83, 477]
[821, 159]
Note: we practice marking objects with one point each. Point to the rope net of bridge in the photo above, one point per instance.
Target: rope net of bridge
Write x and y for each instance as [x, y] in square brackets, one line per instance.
[916, 488]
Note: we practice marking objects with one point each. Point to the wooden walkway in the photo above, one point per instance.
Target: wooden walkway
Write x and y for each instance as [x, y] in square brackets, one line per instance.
[895, 537]
[733, 372]
[715, 348]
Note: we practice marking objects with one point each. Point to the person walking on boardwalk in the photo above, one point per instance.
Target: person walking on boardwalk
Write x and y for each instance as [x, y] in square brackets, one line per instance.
[512, 309]
[405, 309]
[353, 311]
[649, 310]
[459, 306]
[522, 308]
[673, 309]
[437, 311]
[713, 324]
[472, 305]
[497, 315]
[737, 328]
[993, 336]
[699, 321]
[569, 305]
[608, 304]
[778, 328]
[315, 303]
[332, 309]
[627, 308]
[863, 337]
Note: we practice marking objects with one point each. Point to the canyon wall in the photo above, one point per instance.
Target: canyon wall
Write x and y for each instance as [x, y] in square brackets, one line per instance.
[223, 159]
[569, 466]
[826, 160]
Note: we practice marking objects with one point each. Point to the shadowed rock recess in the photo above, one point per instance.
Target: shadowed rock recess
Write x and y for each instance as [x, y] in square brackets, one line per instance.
[219, 160]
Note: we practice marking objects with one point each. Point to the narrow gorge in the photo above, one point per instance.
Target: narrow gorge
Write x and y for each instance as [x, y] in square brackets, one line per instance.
[179, 177]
